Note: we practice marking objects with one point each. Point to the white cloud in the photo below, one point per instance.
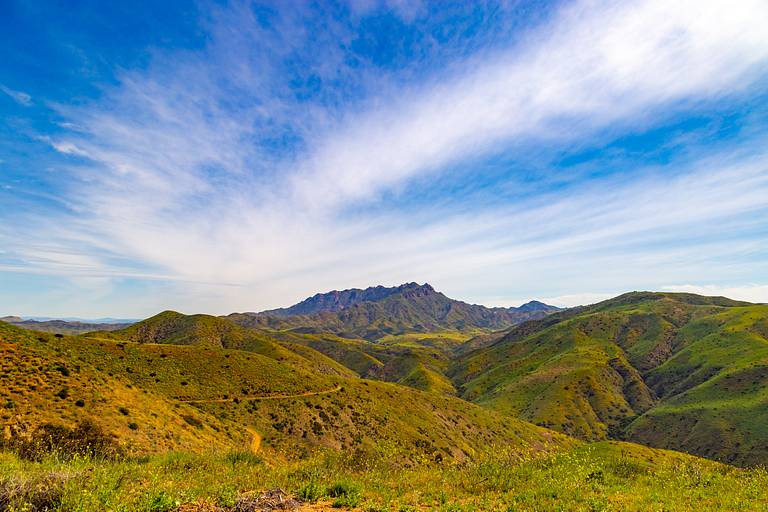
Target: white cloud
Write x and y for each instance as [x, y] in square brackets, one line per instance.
[597, 63]
[180, 184]
[578, 299]
[750, 293]
[68, 148]
[19, 97]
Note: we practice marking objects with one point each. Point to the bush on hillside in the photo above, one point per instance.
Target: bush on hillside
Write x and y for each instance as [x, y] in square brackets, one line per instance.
[42, 492]
[87, 440]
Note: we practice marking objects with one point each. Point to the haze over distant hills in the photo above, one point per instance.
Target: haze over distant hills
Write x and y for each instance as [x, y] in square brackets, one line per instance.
[67, 325]
[379, 311]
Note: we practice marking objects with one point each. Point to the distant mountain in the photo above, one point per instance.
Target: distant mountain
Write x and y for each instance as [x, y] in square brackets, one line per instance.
[379, 311]
[59, 326]
[534, 306]
[337, 300]
[103, 320]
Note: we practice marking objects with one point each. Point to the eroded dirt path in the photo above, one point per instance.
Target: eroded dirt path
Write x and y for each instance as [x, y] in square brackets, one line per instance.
[255, 439]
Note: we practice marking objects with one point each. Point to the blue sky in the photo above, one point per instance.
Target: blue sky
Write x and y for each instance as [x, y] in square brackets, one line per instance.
[230, 156]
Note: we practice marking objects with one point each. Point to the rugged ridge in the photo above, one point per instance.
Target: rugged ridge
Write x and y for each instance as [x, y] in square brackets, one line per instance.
[378, 311]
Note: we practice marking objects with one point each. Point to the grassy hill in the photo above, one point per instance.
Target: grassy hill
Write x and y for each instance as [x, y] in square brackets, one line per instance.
[402, 359]
[172, 328]
[44, 378]
[670, 370]
[713, 390]
[155, 397]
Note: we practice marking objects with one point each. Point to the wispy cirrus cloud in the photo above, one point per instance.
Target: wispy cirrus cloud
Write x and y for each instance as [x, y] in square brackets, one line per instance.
[254, 160]
[19, 97]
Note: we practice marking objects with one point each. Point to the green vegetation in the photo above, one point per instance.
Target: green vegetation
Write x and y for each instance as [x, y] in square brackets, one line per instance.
[400, 359]
[157, 397]
[197, 413]
[675, 371]
[602, 476]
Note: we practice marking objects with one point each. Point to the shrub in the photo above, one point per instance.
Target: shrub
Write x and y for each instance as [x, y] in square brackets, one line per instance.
[86, 439]
[625, 468]
[311, 492]
[346, 494]
[133, 426]
[191, 420]
[80, 403]
[227, 497]
[37, 493]
[243, 457]
[160, 502]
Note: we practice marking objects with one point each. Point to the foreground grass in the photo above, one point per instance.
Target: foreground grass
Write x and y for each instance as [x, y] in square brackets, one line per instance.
[602, 476]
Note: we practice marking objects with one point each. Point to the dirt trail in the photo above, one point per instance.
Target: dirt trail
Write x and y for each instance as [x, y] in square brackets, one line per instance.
[255, 436]
[255, 440]
[262, 397]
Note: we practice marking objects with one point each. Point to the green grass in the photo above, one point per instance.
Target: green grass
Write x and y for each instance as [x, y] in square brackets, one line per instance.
[604, 476]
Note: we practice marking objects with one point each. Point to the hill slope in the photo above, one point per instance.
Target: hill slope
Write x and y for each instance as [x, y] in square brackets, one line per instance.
[670, 370]
[200, 396]
[172, 328]
[376, 312]
[49, 379]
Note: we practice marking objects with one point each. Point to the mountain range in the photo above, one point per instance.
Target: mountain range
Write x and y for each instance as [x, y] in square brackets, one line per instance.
[65, 326]
[379, 311]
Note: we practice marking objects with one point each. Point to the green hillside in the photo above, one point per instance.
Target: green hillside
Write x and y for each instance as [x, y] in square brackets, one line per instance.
[63, 380]
[669, 370]
[154, 397]
[714, 389]
[418, 360]
[172, 328]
